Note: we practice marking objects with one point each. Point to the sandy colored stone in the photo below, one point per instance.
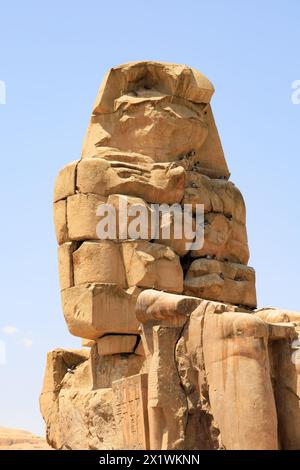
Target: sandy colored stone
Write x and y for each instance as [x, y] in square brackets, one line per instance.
[17, 439]
[202, 430]
[65, 183]
[152, 265]
[166, 399]
[59, 361]
[65, 264]
[93, 310]
[76, 415]
[170, 79]
[168, 309]
[180, 246]
[224, 239]
[144, 118]
[222, 357]
[284, 353]
[139, 350]
[130, 410]
[81, 216]
[240, 375]
[137, 94]
[152, 224]
[210, 157]
[131, 175]
[217, 195]
[202, 367]
[135, 206]
[60, 367]
[107, 369]
[226, 282]
[86, 420]
[99, 262]
[116, 344]
[285, 373]
[279, 331]
[60, 221]
[277, 315]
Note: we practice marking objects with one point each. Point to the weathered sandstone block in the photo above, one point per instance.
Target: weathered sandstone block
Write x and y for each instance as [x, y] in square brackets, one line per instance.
[77, 417]
[279, 331]
[144, 97]
[100, 262]
[181, 245]
[107, 369]
[217, 195]
[167, 405]
[85, 419]
[130, 411]
[233, 346]
[198, 371]
[152, 265]
[143, 118]
[168, 309]
[81, 216]
[224, 239]
[65, 183]
[65, 264]
[276, 315]
[225, 282]
[58, 363]
[93, 310]
[129, 209]
[116, 344]
[139, 350]
[60, 221]
[284, 351]
[170, 79]
[210, 159]
[156, 183]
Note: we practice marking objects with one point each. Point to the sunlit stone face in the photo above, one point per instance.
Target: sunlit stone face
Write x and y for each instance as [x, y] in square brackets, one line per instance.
[146, 121]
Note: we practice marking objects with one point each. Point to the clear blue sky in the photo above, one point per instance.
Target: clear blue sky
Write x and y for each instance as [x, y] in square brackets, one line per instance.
[53, 57]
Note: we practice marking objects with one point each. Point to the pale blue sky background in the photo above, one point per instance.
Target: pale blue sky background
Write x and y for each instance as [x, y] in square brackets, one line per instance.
[52, 58]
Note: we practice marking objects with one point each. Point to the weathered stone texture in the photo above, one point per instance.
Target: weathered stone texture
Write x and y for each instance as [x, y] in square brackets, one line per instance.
[177, 357]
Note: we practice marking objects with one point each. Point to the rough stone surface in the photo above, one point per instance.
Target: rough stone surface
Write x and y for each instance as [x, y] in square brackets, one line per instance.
[131, 174]
[130, 410]
[226, 282]
[100, 262]
[107, 369]
[217, 195]
[65, 184]
[81, 216]
[224, 239]
[175, 356]
[65, 264]
[93, 310]
[152, 265]
[60, 221]
[284, 352]
[116, 344]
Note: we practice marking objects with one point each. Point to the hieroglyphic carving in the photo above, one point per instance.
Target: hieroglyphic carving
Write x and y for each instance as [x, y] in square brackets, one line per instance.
[130, 409]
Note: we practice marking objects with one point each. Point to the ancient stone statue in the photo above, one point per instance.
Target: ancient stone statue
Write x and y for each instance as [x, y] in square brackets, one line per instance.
[175, 354]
